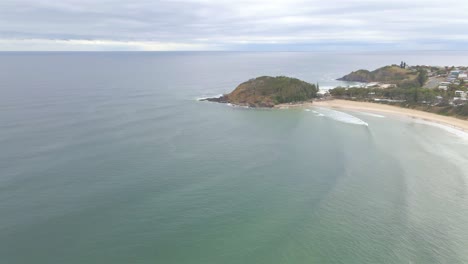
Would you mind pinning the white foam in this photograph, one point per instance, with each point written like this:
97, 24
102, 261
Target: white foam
207, 97
315, 112
237, 106
371, 114
452, 130
342, 117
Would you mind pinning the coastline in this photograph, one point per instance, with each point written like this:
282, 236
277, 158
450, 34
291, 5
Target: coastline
382, 108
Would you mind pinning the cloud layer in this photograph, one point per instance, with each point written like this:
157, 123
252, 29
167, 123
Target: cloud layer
232, 25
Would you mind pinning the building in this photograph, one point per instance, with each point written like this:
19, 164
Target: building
387, 85
380, 85
453, 75
372, 85
443, 87
323, 93
460, 95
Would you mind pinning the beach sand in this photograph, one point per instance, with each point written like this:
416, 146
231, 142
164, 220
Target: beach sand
382, 108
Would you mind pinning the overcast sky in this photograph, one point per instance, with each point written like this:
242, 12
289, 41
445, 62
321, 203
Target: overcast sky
233, 25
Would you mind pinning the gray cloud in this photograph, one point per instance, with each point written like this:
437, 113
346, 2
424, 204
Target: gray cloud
238, 25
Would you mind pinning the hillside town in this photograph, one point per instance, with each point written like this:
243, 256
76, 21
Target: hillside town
432, 88
446, 82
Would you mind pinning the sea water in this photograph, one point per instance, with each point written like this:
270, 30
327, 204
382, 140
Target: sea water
109, 158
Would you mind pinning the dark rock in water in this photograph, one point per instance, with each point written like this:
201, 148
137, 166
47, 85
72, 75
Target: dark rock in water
221, 99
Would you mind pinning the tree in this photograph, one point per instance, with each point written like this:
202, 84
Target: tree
422, 77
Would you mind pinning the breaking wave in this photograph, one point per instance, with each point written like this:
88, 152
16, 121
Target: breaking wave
315, 112
341, 117
206, 97
371, 114
452, 130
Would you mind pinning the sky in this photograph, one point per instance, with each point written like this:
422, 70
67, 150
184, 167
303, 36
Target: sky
257, 25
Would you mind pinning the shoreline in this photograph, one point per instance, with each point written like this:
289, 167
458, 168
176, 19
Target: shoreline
382, 108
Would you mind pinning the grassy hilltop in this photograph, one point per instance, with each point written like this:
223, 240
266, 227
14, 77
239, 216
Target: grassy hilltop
389, 74
268, 91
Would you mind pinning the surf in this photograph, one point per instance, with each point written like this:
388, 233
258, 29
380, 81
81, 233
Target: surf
341, 116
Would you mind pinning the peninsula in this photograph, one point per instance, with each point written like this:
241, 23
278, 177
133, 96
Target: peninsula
269, 91
395, 75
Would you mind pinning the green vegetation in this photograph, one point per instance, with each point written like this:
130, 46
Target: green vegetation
430, 100
268, 91
422, 77
393, 74
410, 95
409, 91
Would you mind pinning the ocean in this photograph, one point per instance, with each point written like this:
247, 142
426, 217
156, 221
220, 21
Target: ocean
110, 158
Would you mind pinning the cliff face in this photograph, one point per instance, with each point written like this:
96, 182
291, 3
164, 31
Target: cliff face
387, 74
268, 91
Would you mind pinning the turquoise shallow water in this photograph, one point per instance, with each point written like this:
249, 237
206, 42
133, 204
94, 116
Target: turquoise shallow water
109, 158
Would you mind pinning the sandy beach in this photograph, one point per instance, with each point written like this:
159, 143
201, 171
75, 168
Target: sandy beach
388, 109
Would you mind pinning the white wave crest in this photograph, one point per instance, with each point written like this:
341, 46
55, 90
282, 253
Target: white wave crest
452, 130
238, 106
315, 112
342, 117
207, 97
371, 114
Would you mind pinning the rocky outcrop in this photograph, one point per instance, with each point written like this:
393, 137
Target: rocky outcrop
268, 91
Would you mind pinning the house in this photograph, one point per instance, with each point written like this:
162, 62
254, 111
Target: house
387, 85
380, 85
460, 95
443, 87
372, 84
454, 74
323, 93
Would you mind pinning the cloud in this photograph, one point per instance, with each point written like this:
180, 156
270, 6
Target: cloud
231, 25
97, 45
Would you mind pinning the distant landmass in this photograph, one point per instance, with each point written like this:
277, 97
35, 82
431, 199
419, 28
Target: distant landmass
435, 89
400, 76
267, 91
